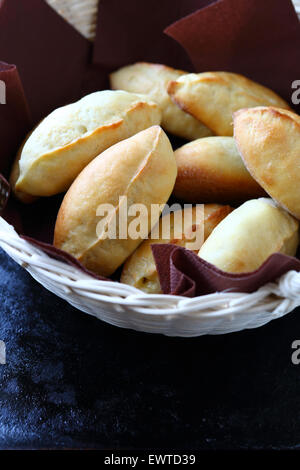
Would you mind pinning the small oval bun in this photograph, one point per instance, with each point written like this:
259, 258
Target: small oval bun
211, 169
140, 270
213, 97
70, 137
246, 238
143, 169
153, 79
269, 142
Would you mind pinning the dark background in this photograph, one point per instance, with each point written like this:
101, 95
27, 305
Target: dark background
72, 381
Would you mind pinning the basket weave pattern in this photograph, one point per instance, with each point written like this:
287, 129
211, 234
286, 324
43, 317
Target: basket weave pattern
128, 307
82, 14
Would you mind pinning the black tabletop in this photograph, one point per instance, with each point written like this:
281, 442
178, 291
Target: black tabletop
72, 381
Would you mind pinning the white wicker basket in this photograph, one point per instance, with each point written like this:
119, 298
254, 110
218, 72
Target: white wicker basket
297, 6
127, 307
82, 14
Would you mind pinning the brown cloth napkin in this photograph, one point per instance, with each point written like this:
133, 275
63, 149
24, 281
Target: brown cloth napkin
14, 114
257, 38
182, 272
51, 56
133, 30
57, 65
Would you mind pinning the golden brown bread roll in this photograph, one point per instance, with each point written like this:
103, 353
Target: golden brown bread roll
71, 136
269, 142
143, 169
211, 169
153, 79
213, 97
246, 238
140, 270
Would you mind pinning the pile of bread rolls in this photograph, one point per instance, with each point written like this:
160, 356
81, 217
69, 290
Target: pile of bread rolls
243, 149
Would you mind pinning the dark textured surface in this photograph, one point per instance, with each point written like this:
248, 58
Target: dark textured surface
73, 381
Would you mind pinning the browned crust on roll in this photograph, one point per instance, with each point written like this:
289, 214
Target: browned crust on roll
14, 175
268, 139
141, 168
208, 173
171, 89
276, 112
70, 137
212, 97
196, 186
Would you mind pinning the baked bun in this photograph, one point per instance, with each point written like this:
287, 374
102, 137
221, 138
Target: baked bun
140, 270
141, 168
213, 97
269, 142
211, 169
153, 79
70, 137
246, 238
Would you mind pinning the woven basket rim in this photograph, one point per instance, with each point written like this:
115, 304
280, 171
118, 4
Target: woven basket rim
112, 292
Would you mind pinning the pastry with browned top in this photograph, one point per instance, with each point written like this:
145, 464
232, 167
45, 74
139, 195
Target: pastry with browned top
212, 97
268, 139
71, 136
153, 79
211, 169
141, 169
